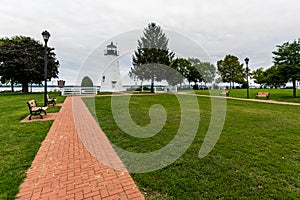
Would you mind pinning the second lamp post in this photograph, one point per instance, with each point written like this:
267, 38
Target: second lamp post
247, 74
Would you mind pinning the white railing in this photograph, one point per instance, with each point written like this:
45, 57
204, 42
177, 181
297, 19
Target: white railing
78, 91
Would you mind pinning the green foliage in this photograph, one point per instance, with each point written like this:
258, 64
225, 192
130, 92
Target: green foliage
22, 61
256, 157
193, 74
152, 56
179, 70
207, 71
191, 69
259, 76
270, 77
87, 82
274, 77
230, 70
287, 58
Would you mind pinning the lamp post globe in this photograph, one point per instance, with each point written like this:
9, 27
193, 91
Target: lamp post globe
247, 73
46, 36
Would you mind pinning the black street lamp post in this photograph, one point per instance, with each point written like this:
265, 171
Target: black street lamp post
46, 36
247, 73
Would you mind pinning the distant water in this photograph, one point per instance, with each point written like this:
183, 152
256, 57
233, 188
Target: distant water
33, 89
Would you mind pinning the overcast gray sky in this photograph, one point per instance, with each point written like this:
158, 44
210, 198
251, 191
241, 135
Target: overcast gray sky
244, 28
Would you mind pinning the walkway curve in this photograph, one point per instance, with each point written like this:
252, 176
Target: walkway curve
64, 169
254, 100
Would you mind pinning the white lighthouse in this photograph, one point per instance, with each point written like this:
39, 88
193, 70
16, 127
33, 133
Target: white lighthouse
111, 78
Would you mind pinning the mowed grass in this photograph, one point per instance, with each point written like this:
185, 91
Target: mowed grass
19, 142
285, 95
256, 157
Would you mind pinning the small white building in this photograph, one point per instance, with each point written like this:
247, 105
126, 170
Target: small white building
111, 78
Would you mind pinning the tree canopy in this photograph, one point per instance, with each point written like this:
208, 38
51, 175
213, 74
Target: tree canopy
274, 78
230, 70
87, 82
287, 58
178, 71
22, 61
151, 56
260, 77
193, 73
207, 71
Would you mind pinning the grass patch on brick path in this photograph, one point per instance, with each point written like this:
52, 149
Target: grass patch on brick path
275, 94
256, 157
19, 142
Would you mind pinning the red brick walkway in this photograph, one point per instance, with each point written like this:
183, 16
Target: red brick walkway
64, 169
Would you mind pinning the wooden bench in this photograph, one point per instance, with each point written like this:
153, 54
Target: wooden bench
51, 100
224, 92
263, 94
36, 110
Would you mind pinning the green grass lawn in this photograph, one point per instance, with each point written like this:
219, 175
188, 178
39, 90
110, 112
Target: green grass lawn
256, 157
275, 94
19, 142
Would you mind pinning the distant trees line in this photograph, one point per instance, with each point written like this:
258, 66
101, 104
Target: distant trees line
152, 56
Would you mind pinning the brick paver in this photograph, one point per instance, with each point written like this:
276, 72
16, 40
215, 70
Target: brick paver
65, 167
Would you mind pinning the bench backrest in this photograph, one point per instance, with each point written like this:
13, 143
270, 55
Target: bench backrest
224, 91
31, 104
263, 93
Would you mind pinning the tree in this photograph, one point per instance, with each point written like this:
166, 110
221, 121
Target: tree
230, 70
287, 58
87, 82
151, 56
22, 61
178, 71
259, 76
207, 71
274, 78
3, 78
193, 73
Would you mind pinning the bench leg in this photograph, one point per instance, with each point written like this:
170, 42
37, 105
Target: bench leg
43, 112
51, 102
30, 117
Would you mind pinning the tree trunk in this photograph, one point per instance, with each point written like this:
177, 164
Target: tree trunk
25, 87
12, 86
294, 88
152, 85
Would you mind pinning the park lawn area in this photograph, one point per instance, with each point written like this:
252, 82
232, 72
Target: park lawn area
19, 142
256, 157
275, 94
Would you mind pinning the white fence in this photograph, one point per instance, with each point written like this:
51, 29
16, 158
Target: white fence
78, 91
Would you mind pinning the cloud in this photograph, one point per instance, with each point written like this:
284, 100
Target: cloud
245, 28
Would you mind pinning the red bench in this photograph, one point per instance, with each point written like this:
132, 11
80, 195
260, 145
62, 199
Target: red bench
224, 92
263, 94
